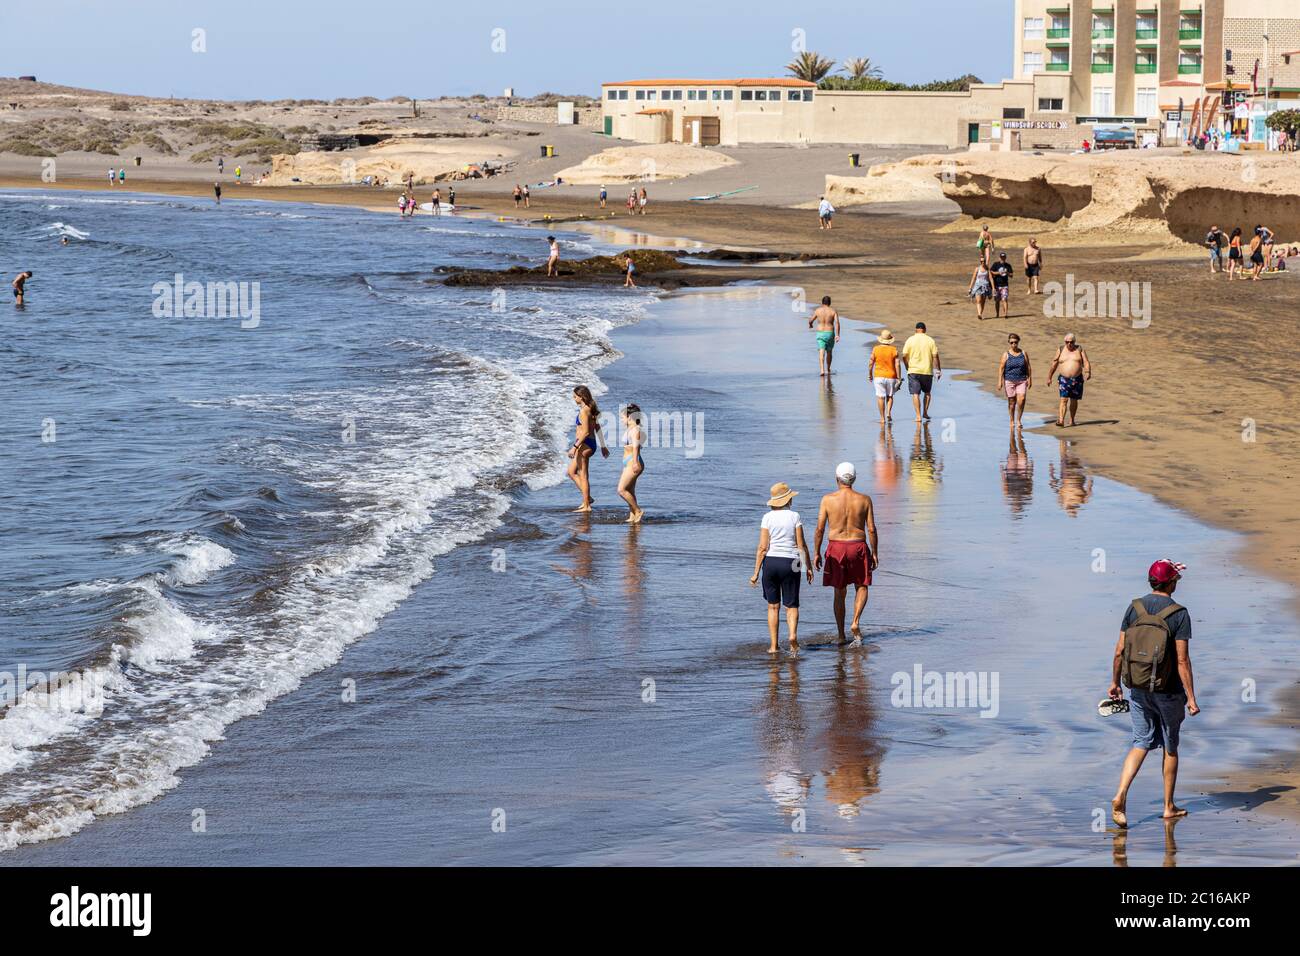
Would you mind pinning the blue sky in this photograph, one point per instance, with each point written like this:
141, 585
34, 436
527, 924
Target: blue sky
329, 48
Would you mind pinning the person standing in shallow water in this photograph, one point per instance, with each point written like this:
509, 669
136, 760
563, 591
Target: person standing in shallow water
782, 558
552, 263
633, 464
587, 433
849, 519
1015, 379
1159, 690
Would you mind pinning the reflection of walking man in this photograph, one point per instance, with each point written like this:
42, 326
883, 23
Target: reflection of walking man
850, 520
1072, 363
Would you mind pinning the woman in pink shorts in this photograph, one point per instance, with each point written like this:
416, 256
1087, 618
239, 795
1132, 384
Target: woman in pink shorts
1015, 379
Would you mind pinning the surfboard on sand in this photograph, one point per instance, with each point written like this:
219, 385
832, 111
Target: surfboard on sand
732, 192
444, 207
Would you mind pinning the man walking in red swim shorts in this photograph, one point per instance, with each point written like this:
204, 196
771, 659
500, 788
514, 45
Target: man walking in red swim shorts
851, 521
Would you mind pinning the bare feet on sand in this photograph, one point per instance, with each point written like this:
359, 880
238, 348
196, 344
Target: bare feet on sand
1171, 812
1118, 815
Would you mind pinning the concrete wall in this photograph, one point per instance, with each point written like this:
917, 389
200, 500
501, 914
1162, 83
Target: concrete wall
588, 116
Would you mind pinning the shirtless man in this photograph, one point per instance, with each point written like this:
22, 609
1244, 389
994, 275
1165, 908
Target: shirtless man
1071, 362
1033, 266
828, 333
20, 281
849, 560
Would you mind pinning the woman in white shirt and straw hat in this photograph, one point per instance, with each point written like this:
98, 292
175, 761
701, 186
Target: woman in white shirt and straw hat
781, 559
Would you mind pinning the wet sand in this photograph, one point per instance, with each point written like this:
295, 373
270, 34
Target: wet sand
526, 691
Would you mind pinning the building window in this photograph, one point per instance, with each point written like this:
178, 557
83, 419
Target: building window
701, 94
744, 94
1013, 112
649, 94
640, 94
807, 96
760, 94
1033, 63
1145, 102
1034, 28
1049, 104
1103, 100
677, 94
792, 95
728, 94
622, 94
717, 94
690, 94
612, 95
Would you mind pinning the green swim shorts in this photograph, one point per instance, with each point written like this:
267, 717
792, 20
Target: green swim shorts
826, 341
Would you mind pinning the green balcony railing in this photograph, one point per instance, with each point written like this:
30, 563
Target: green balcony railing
1104, 34
1190, 34
1148, 34
1185, 68
1103, 68
1058, 33
1145, 68
1059, 67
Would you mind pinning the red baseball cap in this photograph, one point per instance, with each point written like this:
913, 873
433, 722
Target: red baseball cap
1164, 571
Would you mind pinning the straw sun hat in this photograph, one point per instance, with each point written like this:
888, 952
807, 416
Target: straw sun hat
885, 337
781, 495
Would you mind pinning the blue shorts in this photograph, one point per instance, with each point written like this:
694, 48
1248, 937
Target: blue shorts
1071, 386
1156, 719
781, 580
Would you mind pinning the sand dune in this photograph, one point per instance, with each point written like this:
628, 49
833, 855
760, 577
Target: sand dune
391, 161
622, 164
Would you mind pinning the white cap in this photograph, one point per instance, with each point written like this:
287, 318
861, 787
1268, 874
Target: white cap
846, 473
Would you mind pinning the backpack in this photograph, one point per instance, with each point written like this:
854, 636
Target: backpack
1146, 663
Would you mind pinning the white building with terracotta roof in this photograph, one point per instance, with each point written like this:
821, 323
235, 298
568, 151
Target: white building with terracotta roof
710, 112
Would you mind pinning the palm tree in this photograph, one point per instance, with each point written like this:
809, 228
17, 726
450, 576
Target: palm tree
811, 67
861, 68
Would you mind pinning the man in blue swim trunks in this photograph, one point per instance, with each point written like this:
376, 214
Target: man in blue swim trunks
1072, 363
1166, 688
827, 321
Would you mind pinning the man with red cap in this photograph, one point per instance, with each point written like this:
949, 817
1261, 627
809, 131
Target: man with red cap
1152, 660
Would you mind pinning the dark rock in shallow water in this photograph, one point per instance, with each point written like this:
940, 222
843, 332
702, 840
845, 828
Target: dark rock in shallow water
649, 263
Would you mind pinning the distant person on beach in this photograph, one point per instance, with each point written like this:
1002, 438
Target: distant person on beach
221, 165
1266, 241
1033, 266
782, 558
633, 464
587, 434
216, 191
1256, 255
19, 286
451, 197
631, 203
112, 176
1015, 379
825, 212
921, 356
885, 372
628, 281
1214, 242
528, 197
552, 264
401, 205
436, 202
121, 176
604, 195
848, 517
986, 246
827, 321
1001, 273
1071, 361
643, 200
1236, 263
239, 172
519, 195
1152, 660
981, 288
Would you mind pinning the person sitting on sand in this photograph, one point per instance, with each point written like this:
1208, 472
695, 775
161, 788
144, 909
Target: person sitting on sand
19, 286
781, 559
885, 372
628, 282
584, 443
1001, 275
981, 288
848, 517
1015, 379
1033, 266
1072, 363
921, 356
633, 464
1159, 691
552, 264
828, 333
825, 213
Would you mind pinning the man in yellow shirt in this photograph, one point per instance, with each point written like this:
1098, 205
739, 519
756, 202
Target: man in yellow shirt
921, 356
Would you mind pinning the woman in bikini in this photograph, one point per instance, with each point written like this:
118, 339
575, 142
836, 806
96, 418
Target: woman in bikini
587, 423
1234, 254
633, 464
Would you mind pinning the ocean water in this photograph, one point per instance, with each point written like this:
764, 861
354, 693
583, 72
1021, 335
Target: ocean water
199, 512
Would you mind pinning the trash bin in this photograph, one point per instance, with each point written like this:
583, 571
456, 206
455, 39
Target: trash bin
853, 158
137, 160
548, 152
